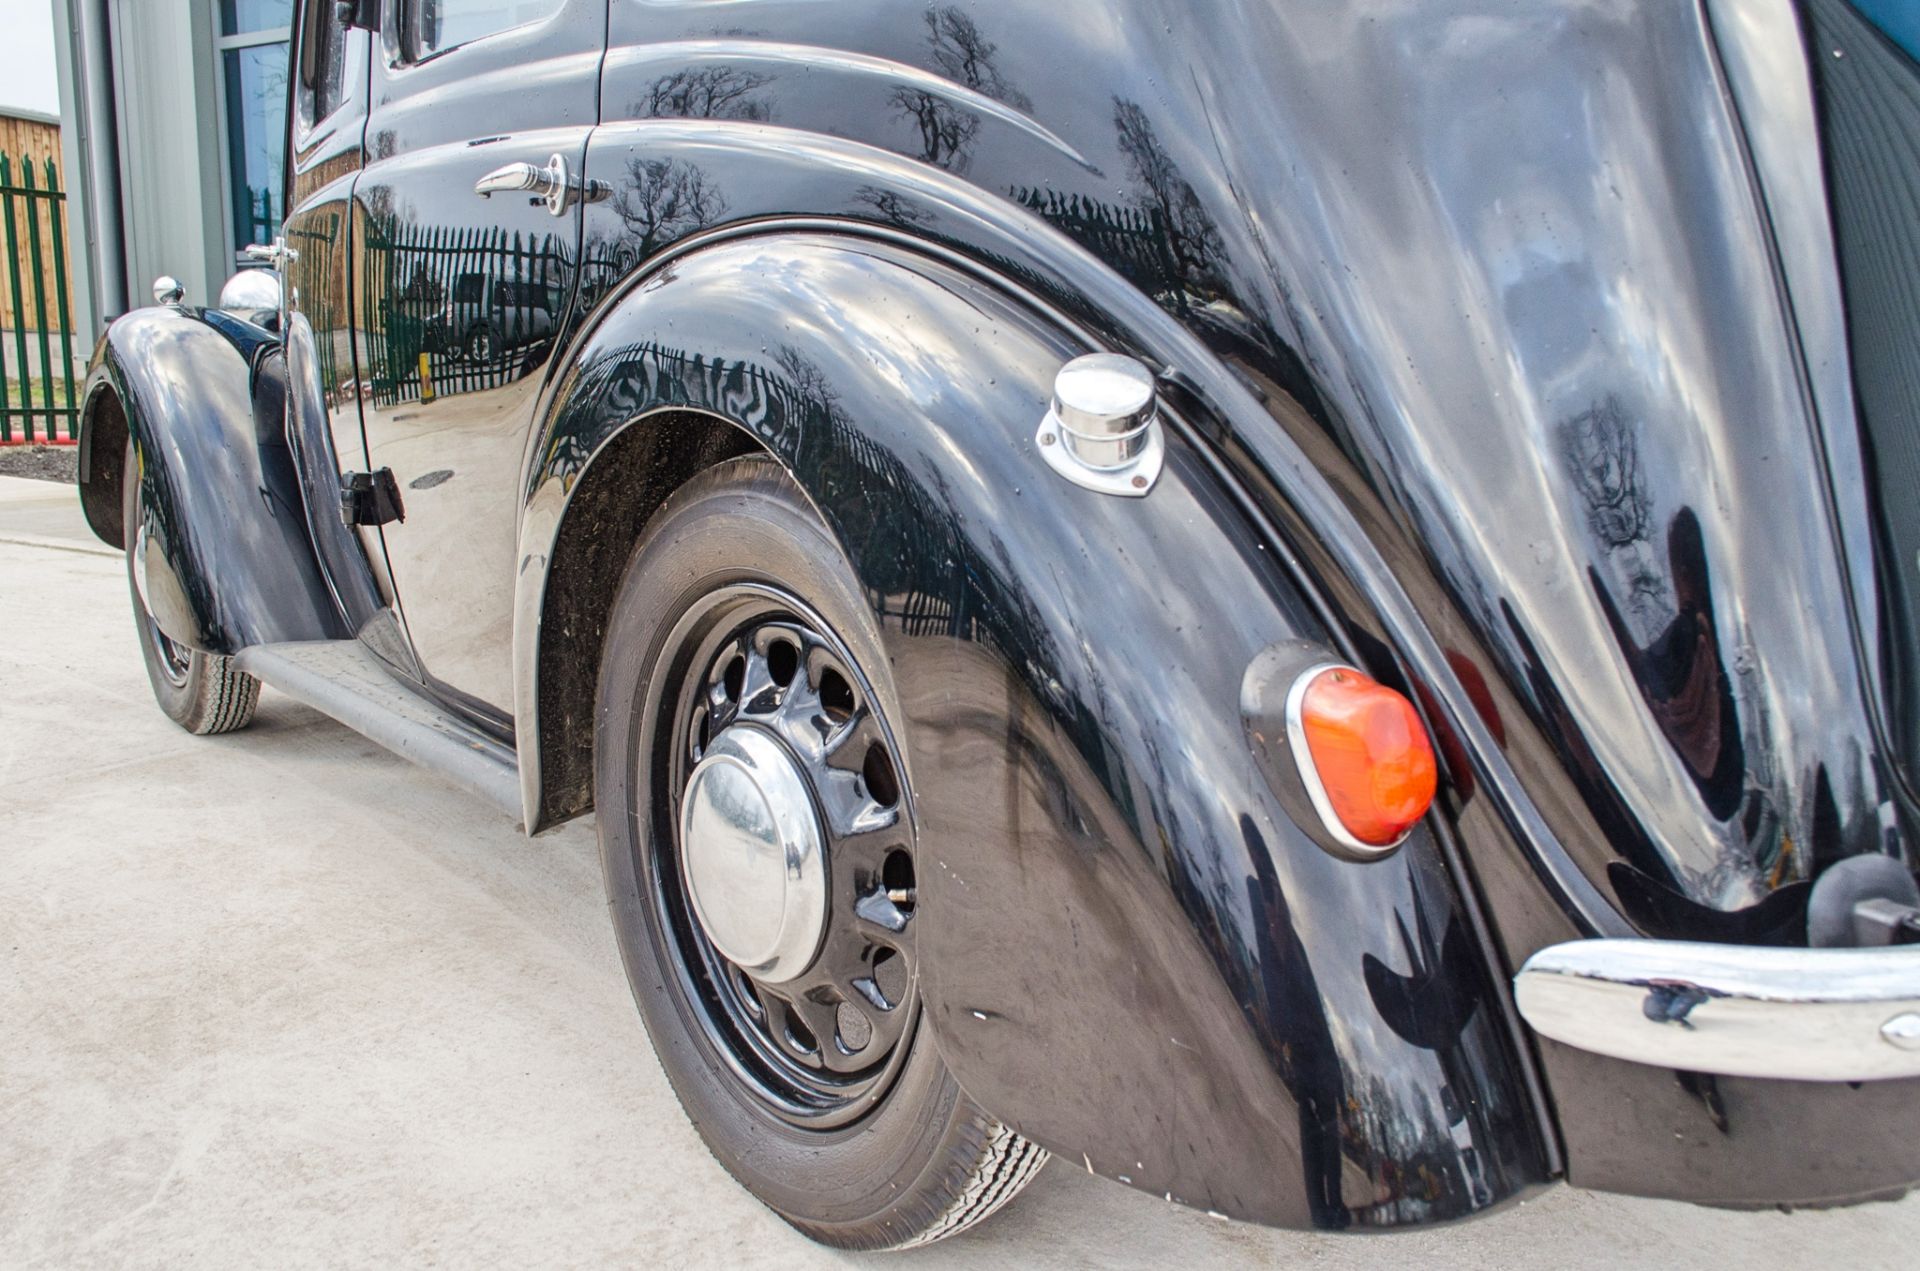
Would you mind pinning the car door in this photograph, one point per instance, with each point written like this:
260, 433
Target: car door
327, 116
467, 228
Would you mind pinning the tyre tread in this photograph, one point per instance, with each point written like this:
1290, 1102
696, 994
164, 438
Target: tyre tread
228, 698
1004, 1163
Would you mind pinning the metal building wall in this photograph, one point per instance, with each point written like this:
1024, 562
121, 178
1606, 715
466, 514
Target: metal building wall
150, 201
169, 145
96, 265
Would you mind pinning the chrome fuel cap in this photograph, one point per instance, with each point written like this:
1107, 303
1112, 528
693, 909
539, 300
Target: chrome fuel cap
754, 858
1102, 430
1104, 402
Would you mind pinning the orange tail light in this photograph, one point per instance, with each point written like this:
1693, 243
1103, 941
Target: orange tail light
1364, 755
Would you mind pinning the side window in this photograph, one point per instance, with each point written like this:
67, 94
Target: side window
323, 56
434, 26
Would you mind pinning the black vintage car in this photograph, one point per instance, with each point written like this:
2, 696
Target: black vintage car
1312, 607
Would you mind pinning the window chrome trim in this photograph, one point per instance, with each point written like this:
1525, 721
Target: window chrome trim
1794, 1014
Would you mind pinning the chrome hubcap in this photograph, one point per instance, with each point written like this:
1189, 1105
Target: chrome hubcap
755, 860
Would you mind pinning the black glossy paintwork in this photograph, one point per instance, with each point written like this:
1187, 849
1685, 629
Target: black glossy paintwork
323, 418
1476, 319
1128, 948
1577, 443
228, 560
459, 303
1501, 352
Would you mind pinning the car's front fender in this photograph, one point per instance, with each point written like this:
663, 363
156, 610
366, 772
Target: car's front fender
222, 543
1128, 950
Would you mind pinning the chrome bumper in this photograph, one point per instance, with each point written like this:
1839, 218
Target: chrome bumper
1795, 1014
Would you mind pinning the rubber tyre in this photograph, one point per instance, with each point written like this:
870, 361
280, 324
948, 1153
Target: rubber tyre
926, 1162
205, 696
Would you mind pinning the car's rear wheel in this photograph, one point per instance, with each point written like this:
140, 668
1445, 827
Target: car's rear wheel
757, 833
202, 692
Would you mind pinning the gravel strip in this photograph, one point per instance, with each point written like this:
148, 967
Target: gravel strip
43, 463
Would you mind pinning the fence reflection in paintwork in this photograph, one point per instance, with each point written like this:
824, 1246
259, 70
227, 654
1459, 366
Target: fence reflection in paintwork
457, 311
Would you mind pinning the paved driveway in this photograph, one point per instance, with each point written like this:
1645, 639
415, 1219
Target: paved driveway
281, 999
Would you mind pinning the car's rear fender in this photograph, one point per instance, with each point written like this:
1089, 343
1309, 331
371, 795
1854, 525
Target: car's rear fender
1129, 951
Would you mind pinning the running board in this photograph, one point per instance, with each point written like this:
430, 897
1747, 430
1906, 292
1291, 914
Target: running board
343, 679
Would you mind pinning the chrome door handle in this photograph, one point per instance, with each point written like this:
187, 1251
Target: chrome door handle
277, 253
551, 183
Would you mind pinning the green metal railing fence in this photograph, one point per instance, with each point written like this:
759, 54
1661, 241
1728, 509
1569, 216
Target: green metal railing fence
38, 397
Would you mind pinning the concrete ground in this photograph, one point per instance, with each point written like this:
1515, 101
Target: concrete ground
281, 999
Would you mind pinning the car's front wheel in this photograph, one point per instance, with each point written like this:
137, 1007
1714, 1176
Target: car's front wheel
757, 834
202, 692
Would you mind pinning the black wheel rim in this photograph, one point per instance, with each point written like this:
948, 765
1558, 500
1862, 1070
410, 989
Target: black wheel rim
823, 1049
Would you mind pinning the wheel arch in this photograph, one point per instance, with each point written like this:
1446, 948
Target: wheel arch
1137, 959
624, 482
101, 460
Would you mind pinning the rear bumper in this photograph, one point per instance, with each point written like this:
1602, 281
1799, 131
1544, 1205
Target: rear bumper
1790, 1014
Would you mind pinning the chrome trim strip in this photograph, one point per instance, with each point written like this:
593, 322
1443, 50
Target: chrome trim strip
1735, 1010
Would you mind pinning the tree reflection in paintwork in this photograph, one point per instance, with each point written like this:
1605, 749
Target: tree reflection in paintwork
945, 129
665, 199
960, 52
706, 92
891, 208
1601, 449
1166, 243
1192, 237
658, 202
